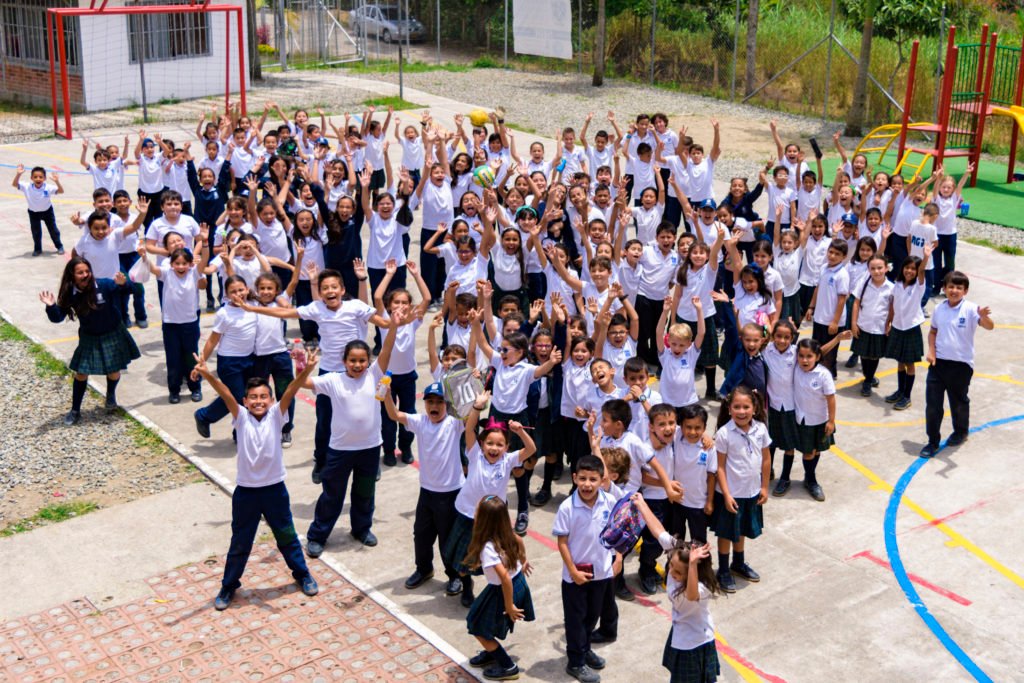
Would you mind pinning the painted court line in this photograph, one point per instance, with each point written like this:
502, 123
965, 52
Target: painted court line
924, 583
970, 508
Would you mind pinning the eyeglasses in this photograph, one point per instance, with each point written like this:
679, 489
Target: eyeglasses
503, 350
542, 346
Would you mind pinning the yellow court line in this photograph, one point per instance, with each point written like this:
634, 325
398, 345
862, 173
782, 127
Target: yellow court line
907, 423
74, 160
1000, 378
956, 539
744, 671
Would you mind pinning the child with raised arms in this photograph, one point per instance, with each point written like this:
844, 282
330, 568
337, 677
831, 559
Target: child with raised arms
260, 491
38, 194
905, 344
679, 358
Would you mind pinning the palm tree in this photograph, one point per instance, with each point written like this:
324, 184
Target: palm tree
599, 55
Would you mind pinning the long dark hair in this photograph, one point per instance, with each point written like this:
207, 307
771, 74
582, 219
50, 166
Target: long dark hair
705, 572
491, 523
66, 300
519, 253
724, 415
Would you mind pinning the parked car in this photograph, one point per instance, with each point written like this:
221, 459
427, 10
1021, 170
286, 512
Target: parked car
387, 22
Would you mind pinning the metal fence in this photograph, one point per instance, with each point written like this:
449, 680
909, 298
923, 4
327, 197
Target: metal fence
304, 33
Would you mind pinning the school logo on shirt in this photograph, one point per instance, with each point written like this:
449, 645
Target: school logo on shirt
674, 259
815, 384
961, 322
604, 516
684, 363
99, 298
703, 458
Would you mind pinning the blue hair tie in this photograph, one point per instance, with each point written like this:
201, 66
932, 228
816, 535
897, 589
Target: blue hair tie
756, 269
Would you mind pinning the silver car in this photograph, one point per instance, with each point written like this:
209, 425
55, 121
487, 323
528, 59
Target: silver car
386, 22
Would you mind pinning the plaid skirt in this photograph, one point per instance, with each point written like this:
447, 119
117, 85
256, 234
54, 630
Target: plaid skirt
699, 665
748, 520
791, 308
905, 346
783, 430
105, 353
813, 438
869, 345
458, 543
709, 347
487, 618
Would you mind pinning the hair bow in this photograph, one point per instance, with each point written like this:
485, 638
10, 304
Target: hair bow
756, 269
495, 424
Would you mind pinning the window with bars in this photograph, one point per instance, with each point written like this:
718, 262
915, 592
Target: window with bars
164, 37
24, 36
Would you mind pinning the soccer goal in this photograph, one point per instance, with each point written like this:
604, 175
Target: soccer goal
118, 54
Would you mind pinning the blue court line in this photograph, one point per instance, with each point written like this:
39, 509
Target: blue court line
892, 549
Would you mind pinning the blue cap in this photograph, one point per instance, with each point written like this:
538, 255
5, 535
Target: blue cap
707, 204
323, 141
434, 389
850, 218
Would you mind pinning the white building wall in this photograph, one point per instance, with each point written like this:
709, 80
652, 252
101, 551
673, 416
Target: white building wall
111, 81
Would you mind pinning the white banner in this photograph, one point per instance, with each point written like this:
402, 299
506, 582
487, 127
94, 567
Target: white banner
543, 27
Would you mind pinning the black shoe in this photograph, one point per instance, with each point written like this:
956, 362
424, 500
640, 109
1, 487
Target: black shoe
482, 658
903, 403
314, 549
110, 405
367, 539
309, 586
852, 362
72, 417
622, 591
894, 397
197, 396
389, 459
500, 673
649, 585
817, 493
317, 475
781, 488
522, 522
956, 439
597, 638
467, 591
60, 251
865, 388
583, 674
593, 660
174, 399
726, 582
745, 571
223, 599
417, 579
453, 587
142, 324
540, 498
929, 451
407, 455
874, 382
37, 253
202, 426
286, 439
210, 308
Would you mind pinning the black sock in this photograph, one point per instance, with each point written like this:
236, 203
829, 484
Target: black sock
112, 390
870, 366
901, 382
909, 382
787, 467
723, 562
502, 658
709, 378
77, 393
809, 467
523, 491
549, 476
737, 558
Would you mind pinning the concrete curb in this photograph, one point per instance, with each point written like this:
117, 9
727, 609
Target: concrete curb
225, 485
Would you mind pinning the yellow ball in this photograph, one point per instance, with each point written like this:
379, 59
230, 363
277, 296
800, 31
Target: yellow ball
478, 117
483, 176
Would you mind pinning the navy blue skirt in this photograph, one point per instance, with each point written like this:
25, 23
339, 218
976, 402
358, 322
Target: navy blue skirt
699, 665
487, 618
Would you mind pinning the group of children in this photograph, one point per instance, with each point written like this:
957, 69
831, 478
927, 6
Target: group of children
566, 286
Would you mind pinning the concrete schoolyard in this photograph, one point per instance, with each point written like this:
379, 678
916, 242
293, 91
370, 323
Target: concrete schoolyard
909, 571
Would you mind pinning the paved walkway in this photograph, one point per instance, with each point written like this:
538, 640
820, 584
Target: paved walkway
823, 608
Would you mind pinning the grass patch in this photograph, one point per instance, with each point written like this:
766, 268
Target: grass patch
391, 66
46, 364
1002, 248
57, 512
397, 102
168, 100
145, 438
141, 120
486, 62
522, 129
24, 108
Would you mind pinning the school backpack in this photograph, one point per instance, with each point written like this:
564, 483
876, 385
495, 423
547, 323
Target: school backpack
624, 526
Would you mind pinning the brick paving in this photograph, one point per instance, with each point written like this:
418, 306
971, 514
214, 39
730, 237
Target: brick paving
271, 632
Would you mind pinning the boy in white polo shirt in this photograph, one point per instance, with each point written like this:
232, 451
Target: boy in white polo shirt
951, 361
828, 303
38, 194
260, 490
587, 593
441, 477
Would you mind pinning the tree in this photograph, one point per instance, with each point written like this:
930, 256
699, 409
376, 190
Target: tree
599, 51
753, 10
255, 67
855, 115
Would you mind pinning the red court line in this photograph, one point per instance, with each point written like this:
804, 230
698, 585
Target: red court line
924, 583
998, 282
970, 508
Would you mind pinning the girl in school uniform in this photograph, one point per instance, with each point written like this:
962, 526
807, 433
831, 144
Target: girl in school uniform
744, 465
234, 338
871, 318
862, 252
814, 395
812, 260
905, 344
787, 253
762, 255
509, 267
615, 335
309, 237
490, 464
272, 225
948, 197
696, 278
501, 556
434, 191
104, 345
403, 358
690, 654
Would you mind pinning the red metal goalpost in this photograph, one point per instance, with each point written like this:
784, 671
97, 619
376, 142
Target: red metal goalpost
55, 32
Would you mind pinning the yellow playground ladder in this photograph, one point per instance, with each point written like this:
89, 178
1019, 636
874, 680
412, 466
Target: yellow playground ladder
883, 136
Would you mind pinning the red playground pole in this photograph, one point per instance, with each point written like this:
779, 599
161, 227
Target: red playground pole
908, 99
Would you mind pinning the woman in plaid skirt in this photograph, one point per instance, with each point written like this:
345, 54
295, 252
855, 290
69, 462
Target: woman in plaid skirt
104, 345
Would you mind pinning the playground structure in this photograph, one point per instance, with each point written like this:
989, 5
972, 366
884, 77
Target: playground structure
979, 80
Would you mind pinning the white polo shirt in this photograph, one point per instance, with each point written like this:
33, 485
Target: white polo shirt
657, 271
780, 376
641, 422
185, 226
337, 328
692, 625
595, 398
489, 559
483, 479
783, 197
677, 376
809, 392
691, 465
440, 461
921, 234
260, 458
151, 173
438, 204
833, 283
945, 224
874, 306
583, 525
511, 384
750, 305
906, 306
237, 330
355, 422
806, 201
647, 221
640, 453
270, 334
743, 457
701, 178
700, 283
101, 254
787, 265
815, 258
38, 198
181, 298
618, 356
955, 327
576, 381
